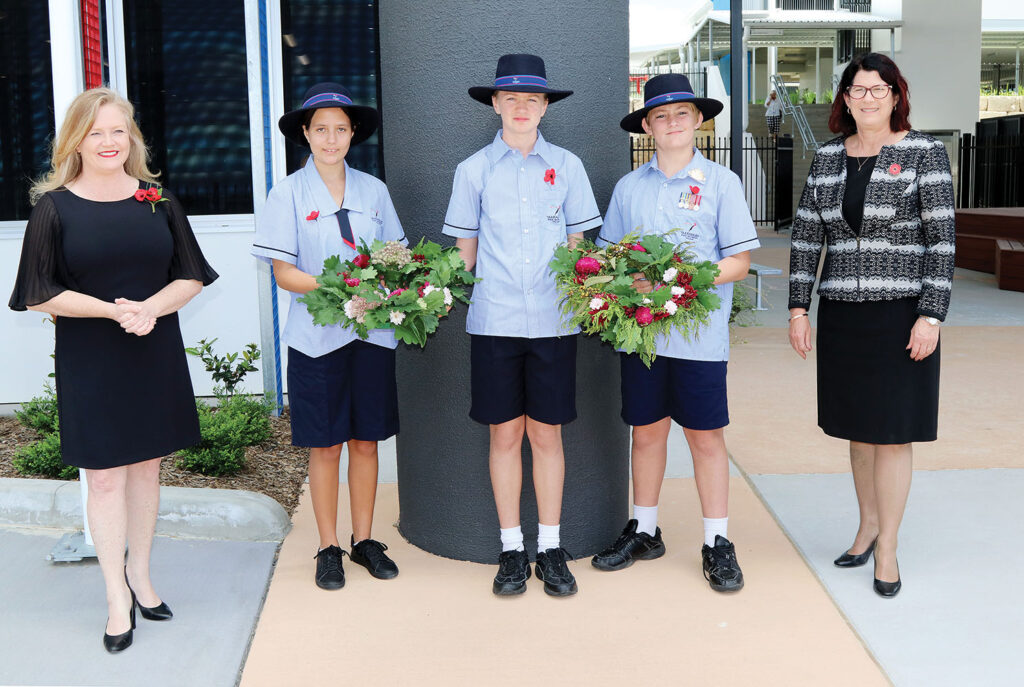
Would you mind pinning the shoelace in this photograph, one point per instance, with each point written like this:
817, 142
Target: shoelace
722, 558
373, 551
556, 558
332, 559
507, 565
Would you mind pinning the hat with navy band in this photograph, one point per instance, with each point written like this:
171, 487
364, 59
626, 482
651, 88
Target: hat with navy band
518, 73
328, 94
664, 89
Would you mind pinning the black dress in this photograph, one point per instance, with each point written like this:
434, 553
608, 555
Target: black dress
869, 389
121, 398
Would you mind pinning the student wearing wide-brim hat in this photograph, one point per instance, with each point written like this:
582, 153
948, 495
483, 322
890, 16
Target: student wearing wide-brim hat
512, 204
690, 200
341, 390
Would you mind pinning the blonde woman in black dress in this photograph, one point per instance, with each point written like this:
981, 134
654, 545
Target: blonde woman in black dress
114, 265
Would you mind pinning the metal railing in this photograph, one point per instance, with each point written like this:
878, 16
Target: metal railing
991, 171
797, 113
698, 79
767, 175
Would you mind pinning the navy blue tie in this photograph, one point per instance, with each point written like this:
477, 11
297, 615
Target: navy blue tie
346, 229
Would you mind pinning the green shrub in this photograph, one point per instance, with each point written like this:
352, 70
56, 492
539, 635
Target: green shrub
794, 97
742, 314
43, 458
40, 413
226, 430
223, 369
809, 97
828, 96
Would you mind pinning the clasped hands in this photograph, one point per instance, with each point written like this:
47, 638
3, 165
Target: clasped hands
134, 317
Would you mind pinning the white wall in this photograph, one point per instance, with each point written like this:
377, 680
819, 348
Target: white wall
939, 53
228, 310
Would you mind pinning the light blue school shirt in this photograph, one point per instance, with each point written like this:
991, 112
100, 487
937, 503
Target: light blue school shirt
720, 226
501, 198
286, 233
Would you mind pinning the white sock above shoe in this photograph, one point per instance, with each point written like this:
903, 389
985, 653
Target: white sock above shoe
512, 539
547, 536
713, 526
646, 518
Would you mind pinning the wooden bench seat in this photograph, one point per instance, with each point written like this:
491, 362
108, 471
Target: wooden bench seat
1010, 264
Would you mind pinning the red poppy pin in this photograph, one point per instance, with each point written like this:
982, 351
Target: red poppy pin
153, 194
313, 215
549, 177
695, 190
895, 169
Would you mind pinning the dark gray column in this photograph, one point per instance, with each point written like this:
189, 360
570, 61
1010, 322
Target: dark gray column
430, 54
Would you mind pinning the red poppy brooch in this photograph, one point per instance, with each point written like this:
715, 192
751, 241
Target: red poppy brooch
549, 177
152, 195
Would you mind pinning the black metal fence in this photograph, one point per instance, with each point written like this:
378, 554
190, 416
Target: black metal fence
991, 171
767, 171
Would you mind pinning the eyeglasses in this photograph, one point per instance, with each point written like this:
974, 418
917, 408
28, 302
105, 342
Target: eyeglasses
877, 92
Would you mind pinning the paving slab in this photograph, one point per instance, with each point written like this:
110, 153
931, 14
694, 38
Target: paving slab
655, 623
957, 620
54, 614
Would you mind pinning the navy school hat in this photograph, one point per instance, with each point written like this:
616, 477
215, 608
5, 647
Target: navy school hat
364, 119
519, 73
664, 89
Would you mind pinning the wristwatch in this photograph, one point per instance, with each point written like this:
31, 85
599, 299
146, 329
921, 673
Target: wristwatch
933, 321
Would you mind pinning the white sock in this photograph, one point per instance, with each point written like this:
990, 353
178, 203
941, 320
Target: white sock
646, 518
713, 526
547, 536
512, 539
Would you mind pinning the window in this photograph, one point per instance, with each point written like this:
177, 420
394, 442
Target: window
26, 102
186, 69
333, 40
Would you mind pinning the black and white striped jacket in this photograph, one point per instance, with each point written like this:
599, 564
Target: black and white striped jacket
907, 237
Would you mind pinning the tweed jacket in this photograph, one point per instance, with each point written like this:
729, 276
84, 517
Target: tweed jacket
907, 240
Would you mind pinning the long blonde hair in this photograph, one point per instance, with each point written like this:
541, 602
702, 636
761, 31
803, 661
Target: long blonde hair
66, 163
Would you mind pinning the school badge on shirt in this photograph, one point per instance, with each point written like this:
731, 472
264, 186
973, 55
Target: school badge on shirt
691, 200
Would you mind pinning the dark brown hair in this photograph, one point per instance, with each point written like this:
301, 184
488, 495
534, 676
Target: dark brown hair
842, 122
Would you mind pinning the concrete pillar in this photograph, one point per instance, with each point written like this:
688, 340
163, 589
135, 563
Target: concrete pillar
817, 75
430, 54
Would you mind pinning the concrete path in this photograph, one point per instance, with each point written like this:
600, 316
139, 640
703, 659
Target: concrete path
54, 614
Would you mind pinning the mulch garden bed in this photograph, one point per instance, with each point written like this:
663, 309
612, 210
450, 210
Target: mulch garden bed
275, 467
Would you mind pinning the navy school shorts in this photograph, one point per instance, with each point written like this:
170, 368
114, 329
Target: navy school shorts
350, 393
513, 376
691, 392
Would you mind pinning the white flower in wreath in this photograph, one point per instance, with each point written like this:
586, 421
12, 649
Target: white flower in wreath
397, 317
350, 311
678, 290
671, 307
422, 303
596, 303
670, 275
447, 296
429, 288
647, 301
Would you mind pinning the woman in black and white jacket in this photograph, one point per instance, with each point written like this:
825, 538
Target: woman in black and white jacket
879, 199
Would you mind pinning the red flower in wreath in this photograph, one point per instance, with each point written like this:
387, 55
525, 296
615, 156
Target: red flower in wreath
587, 266
644, 316
361, 261
549, 177
638, 247
352, 281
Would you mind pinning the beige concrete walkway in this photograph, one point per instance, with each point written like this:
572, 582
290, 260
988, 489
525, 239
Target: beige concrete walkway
655, 623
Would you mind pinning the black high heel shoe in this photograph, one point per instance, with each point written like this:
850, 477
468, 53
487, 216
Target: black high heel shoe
116, 643
851, 560
161, 612
888, 590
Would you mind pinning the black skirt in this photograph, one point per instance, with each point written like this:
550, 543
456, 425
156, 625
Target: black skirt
869, 389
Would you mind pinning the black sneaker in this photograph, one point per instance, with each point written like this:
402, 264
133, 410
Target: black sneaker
369, 553
513, 572
630, 546
329, 573
721, 568
552, 569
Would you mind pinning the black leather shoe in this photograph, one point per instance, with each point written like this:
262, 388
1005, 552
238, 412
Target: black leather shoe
161, 612
369, 553
117, 643
854, 560
888, 590
513, 572
329, 572
721, 568
629, 547
552, 569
